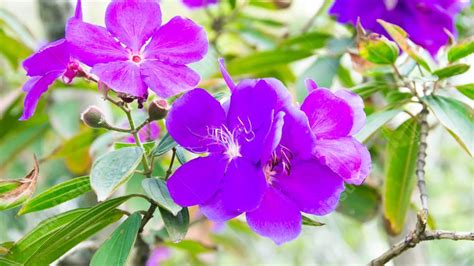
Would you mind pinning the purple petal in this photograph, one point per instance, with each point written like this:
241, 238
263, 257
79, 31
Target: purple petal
311, 85
198, 3
243, 186
273, 137
312, 186
196, 181
52, 57
191, 117
214, 209
34, 88
148, 133
365, 166
78, 11
225, 74
93, 44
168, 80
277, 217
180, 41
328, 115
357, 105
158, 255
297, 137
133, 22
123, 77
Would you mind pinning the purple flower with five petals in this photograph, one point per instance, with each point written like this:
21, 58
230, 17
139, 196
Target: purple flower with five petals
52, 61
198, 3
260, 159
135, 52
334, 118
424, 20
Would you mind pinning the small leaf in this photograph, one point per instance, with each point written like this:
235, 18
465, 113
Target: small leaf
359, 202
57, 194
176, 226
308, 41
378, 49
113, 169
364, 90
17, 196
374, 122
116, 250
455, 116
259, 61
323, 71
84, 226
452, 70
157, 190
8, 185
310, 221
400, 178
148, 146
461, 50
467, 90
180, 155
166, 144
401, 38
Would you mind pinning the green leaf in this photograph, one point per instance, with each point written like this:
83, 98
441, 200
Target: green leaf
180, 155
148, 146
81, 228
401, 38
374, 122
176, 226
359, 202
467, 90
13, 50
157, 190
7, 185
232, 3
5, 247
116, 250
7, 262
267, 60
32, 242
57, 194
20, 194
75, 144
307, 41
378, 50
113, 169
310, 221
191, 246
461, 50
451, 70
364, 90
400, 178
166, 144
323, 71
456, 117
345, 77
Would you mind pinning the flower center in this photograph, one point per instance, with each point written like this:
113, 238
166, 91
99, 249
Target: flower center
228, 139
269, 173
136, 58
390, 4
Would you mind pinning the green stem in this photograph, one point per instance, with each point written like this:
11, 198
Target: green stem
146, 164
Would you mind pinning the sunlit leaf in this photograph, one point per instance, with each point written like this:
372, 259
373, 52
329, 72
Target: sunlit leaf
323, 71
467, 89
8, 185
308, 41
310, 221
451, 70
378, 49
157, 190
374, 122
461, 50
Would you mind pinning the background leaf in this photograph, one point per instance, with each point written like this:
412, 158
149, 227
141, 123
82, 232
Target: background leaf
359, 202
374, 122
157, 190
176, 226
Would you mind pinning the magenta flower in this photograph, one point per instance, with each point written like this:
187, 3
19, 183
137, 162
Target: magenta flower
424, 20
334, 118
260, 159
45, 66
134, 52
158, 256
198, 3
148, 133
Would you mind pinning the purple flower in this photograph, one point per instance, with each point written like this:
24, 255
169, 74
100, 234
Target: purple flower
134, 53
334, 118
198, 3
260, 159
45, 66
148, 133
424, 20
158, 255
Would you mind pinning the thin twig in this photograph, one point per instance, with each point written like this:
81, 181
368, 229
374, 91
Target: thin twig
170, 168
421, 161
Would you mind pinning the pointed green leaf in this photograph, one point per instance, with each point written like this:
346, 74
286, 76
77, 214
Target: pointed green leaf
80, 229
374, 122
166, 144
359, 202
57, 194
116, 250
114, 169
378, 50
310, 221
461, 50
7, 262
451, 70
176, 225
308, 41
8, 185
467, 90
180, 155
400, 178
157, 190
455, 116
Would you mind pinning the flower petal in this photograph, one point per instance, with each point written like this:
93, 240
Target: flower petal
93, 44
328, 115
243, 186
297, 136
365, 164
123, 77
357, 105
273, 137
312, 186
172, 42
168, 80
34, 88
196, 181
133, 22
225, 74
198, 3
277, 217
52, 57
214, 209
191, 117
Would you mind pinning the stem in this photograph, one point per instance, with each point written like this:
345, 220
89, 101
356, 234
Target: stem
170, 168
147, 216
421, 161
146, 164
310, 22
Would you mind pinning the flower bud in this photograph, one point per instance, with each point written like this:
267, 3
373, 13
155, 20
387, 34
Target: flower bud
282, 4
158, 109
94, 118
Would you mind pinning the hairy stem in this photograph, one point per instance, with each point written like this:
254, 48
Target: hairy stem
421, 161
